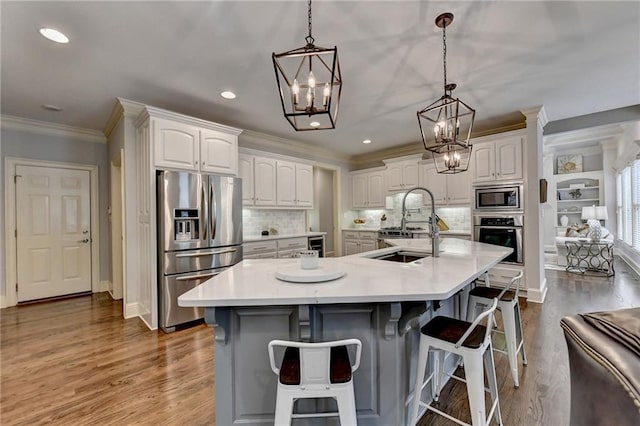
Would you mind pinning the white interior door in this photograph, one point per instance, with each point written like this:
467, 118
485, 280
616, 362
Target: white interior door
53, 232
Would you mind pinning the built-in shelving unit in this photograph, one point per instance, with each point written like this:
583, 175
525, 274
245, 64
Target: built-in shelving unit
575, 191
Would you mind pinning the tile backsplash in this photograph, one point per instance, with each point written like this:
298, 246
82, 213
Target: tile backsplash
458, 218
254, 221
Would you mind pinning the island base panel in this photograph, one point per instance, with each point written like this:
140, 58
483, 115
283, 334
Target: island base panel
245, 386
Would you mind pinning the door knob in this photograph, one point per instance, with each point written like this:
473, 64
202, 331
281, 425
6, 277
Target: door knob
86, 240
85, 231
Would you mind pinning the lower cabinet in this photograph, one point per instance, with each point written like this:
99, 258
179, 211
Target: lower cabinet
274, 249
260, 250
355, 242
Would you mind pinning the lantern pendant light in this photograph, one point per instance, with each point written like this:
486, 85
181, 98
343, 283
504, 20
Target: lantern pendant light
310, 82
446, 124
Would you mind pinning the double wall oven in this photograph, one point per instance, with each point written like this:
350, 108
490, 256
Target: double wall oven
498, 218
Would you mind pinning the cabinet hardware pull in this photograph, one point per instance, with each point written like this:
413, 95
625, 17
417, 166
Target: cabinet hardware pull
195, 277
208, 253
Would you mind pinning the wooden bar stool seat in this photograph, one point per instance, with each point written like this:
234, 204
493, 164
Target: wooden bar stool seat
315, 370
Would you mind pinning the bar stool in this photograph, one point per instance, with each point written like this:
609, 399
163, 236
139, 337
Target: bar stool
315, 370
471, 341
511, 322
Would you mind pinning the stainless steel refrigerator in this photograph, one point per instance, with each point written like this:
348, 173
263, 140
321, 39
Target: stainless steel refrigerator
199, 236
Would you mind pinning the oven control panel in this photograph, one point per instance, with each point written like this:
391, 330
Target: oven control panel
497, 221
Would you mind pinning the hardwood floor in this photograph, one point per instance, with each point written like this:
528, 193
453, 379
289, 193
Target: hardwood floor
77, 362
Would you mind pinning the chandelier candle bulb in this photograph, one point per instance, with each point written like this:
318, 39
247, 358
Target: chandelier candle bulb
295, 89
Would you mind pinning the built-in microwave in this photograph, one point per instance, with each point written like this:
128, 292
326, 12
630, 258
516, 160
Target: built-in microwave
503, 197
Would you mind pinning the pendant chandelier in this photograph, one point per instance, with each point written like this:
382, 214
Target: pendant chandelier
446, 124
310, 82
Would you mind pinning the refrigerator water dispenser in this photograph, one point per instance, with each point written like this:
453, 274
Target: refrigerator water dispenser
185, 224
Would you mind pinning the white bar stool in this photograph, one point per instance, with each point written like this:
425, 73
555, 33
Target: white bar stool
511, 322
315, 370
471, 341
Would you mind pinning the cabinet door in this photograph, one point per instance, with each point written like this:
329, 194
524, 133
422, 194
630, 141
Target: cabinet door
218, 152
459, 189
265, 181
176, 145
304, 185
367, 245
410, 174
286, 183
245, 172
394, 177
434, 182
509, 159
484, 162
351, 247
375, 189
359, 194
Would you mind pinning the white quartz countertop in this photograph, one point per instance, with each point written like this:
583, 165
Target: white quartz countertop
253, 238
252, 282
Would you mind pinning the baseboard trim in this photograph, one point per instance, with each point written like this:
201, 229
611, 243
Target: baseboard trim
628, 261
3, 301
131, 310
145, 322
103, 286
538, 295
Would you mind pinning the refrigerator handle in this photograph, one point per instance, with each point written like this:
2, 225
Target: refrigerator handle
212, 204
203, 213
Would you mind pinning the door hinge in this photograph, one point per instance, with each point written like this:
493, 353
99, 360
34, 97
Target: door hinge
16, 233
16, 287
15, 178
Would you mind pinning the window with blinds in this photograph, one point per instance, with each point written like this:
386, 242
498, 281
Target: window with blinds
635, 204
628, 205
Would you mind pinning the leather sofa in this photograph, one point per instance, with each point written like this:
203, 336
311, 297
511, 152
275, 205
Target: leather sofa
604, 363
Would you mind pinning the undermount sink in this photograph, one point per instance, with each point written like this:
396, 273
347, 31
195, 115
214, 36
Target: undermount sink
402, 256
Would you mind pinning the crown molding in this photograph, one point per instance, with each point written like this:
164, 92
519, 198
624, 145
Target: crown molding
588, 136
149, 112
122, 108
261, 141
51, 129
538, 113
378, 157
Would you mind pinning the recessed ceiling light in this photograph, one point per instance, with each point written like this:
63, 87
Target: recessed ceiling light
314, 124
52, 107
54, 35
228, 95
366, 141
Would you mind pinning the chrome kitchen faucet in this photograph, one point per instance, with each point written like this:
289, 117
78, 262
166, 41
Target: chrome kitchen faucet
435, 244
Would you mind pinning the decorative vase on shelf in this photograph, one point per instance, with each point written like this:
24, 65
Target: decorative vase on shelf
564, 220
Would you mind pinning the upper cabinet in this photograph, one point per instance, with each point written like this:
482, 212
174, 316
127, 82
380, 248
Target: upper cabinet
264, 181
267, 182
368, 189
194, 145
447, 189
498, 160
294, 184
402, 173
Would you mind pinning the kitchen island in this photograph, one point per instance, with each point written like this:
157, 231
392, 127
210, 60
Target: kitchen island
248, 306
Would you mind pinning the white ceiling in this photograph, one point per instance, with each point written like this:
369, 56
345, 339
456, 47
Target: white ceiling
575, 58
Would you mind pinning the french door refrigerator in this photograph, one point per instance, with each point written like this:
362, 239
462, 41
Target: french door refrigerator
199, 236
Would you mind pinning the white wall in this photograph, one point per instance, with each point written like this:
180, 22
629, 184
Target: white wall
60, 148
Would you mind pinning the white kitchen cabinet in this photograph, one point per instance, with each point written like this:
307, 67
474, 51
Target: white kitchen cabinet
291, 247
447, 189
177, 145
260, 250
218, 152
264, 181
185, 146
245, 172
355, 242
498, 160
368, 189
294, 184
402, 174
